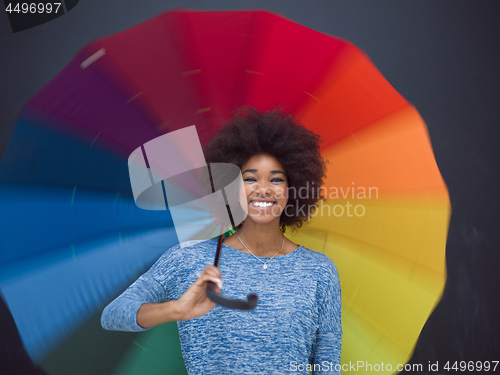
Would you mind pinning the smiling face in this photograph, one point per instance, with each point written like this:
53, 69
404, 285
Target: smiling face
266, 188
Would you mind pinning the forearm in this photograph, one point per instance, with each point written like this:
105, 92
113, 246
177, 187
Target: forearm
145, 303
121, 313
192, 304
329, 336
327, 354
153, 314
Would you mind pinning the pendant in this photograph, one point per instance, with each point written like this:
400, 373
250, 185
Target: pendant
264, 266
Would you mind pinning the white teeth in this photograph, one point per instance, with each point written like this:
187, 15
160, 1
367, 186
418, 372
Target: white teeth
262, 204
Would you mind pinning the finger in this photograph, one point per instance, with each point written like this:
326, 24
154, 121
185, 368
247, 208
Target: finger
216, 289
205, 277
212, 270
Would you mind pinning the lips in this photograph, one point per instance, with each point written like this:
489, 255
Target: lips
262, 204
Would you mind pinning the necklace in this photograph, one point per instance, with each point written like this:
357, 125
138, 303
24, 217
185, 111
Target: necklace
264, 263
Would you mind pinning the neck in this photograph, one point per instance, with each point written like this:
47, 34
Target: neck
262, 240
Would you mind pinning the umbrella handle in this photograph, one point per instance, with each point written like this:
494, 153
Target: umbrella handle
230, 303
218, 298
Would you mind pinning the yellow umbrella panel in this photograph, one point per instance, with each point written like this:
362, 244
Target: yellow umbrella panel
384, 223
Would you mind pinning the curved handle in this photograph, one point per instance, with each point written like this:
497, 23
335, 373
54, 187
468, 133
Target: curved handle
230, 303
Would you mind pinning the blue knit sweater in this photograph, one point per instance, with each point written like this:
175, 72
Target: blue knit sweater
295, 327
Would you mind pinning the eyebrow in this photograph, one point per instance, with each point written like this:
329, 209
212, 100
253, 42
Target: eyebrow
255, 171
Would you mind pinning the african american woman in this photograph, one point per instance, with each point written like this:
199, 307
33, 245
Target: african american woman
296, 326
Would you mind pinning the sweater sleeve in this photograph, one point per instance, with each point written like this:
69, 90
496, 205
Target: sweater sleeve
326, 355
121, 314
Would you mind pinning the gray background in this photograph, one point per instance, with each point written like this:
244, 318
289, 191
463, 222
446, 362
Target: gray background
443, 56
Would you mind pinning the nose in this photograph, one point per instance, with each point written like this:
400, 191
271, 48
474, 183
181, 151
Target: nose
264, 189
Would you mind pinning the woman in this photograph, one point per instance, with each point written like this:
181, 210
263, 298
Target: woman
296, 325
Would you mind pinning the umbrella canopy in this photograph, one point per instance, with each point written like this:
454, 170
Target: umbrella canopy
384, 222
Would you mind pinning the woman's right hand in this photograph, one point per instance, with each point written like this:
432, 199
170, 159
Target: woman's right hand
194, 302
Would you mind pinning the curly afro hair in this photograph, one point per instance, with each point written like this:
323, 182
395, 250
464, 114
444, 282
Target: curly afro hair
282, 136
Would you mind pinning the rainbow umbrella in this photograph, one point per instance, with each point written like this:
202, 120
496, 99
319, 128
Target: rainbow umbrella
384, 221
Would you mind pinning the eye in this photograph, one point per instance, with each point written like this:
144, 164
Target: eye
277, 180
249, 179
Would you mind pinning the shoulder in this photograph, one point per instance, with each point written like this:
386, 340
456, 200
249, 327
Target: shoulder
186, 254
324, 268
190, 247
317, 258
